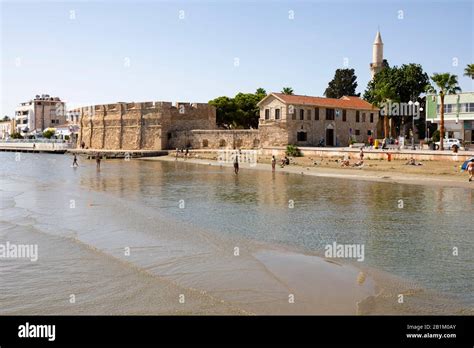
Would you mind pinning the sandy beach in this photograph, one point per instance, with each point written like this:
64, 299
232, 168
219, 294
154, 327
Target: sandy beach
439, 173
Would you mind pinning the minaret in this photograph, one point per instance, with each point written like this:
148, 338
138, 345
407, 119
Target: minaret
377, 55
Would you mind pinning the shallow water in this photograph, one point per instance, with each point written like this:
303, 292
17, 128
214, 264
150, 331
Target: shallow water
182, 223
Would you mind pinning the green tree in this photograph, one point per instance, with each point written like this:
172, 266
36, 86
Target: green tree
384, 94
400, 84
238, 112
48, 133
343, 83
287, 90
469, 71
261, 92
444, 84
5, 118
409, 81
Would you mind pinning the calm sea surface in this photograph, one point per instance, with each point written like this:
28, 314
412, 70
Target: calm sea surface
181, 223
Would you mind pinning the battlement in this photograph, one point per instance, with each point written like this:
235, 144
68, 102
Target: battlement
158, 105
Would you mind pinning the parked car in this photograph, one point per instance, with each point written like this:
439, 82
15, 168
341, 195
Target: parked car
449, 143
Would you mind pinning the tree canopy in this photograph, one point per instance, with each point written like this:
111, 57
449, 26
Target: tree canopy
287, 90
238, 112
469, 71
343, 83
406, 83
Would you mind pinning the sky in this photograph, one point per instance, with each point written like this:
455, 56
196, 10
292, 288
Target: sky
95, 52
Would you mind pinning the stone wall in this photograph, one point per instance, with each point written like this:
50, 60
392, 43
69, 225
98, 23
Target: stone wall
140, 126
216, 139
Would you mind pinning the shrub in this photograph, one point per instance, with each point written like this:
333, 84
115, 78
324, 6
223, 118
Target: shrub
48, 133
16, 135
435, 135
293, 151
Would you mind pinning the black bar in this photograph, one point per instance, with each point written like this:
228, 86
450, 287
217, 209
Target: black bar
225, 330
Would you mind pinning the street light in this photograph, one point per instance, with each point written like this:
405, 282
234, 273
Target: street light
413, 123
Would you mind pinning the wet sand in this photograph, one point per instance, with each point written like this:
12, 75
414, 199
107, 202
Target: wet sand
431, 173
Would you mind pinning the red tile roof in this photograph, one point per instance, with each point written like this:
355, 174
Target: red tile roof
343, 103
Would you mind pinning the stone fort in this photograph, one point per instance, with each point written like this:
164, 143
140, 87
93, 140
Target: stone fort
283, 120
156, 126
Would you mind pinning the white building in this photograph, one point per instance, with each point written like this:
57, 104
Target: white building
39, 114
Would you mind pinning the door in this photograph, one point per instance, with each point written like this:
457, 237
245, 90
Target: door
329, 137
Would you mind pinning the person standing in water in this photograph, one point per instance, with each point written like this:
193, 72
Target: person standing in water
236, 164
97, 160
274, 161
74, 161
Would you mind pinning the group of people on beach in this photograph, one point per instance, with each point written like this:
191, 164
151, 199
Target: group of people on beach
359, 164
182, 153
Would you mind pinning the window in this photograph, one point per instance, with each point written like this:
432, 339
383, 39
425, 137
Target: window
52, 121
277, 114
363, 117
338, 112
316, 114
301, 136
267, 114
205, 143
330, 114
371, 117
369, 133
357, 132
448, 108
344, 115
309, 114
301, 114
467, 107
222, 143
357, 116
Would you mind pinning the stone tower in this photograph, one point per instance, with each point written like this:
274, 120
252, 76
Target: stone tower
377, 55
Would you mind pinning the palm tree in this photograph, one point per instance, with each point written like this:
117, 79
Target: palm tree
385, 94
469, 71
287, 90
444, 84
261, 91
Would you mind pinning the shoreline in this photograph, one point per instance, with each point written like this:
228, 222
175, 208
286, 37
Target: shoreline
364, 174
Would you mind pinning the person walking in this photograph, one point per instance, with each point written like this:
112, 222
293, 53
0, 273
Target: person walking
361, 154
74, 161
274, 161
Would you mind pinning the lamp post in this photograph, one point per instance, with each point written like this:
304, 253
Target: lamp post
412, 125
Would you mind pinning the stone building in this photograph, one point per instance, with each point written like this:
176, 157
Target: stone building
136, 126
36, 115
309, 121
